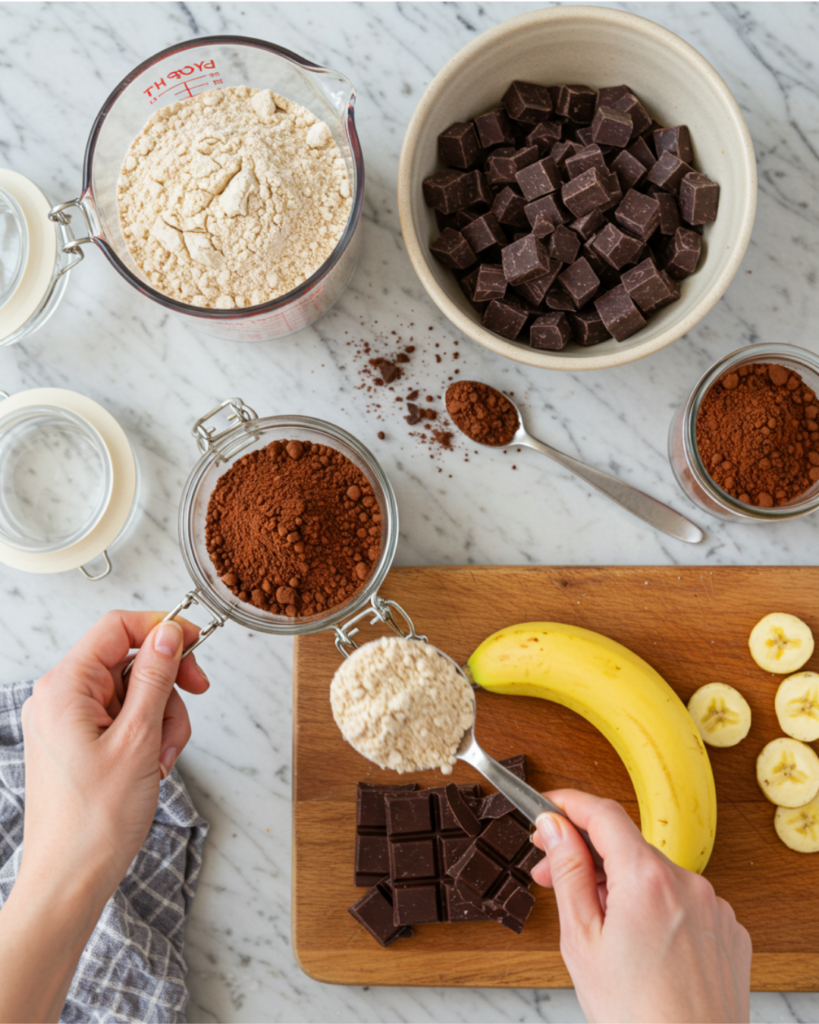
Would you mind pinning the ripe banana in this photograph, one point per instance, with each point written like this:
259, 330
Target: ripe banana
781, 643
721, 714
797, 706
788, 772
798, 827
635, 709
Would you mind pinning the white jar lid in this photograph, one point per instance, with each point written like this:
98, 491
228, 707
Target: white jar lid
67, 480
29, 250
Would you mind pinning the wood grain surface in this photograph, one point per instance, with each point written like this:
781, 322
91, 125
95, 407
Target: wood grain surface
692, 625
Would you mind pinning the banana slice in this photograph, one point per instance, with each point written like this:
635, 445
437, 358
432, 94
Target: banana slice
798, 827
797, 706
721, 714
781, 643
788, 772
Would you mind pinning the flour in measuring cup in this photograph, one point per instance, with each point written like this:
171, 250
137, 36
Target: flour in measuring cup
232, 198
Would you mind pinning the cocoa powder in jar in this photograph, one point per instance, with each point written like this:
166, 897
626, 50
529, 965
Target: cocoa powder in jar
758, 434
294, 528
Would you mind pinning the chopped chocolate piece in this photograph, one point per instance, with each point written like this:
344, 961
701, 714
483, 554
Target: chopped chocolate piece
453, 250
557, 299
496, 805
542, 226
545, 135
615, 247
467, 287
504, 318
372, 860
588, 329
549, 206
477, 190
375, 912
596, 262
458, 145
551, 331
650, 287
576, 102
668, 172
629, 170
538, 179
483, 232
615, 192
461, 810
669, 213
580, 282
629, 104
589, 224
641, 149
415, 414
638, 214
511, 905
461, 218
587, 192
611, 127
528, 102
610, 94
619, 313
445, 190
682, 253
699, 198
490, 283
675, 140
525, 259
582, 136
563, 244
516, 764
509, 209
534, 291
504, 164
494, 128
583, 159
561, 152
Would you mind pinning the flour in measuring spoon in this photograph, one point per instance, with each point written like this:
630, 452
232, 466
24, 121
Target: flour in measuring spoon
232, 198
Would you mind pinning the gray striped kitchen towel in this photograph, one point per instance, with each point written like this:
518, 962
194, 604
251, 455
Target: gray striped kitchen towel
132, 968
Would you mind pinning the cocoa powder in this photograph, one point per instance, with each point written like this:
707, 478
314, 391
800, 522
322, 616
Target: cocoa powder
293, 528
758, 434
481, 412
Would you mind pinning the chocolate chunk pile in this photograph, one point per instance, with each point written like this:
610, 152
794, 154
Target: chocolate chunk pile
443, 854
568, 213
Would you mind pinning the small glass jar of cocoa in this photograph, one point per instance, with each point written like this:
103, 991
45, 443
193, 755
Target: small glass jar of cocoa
745, 445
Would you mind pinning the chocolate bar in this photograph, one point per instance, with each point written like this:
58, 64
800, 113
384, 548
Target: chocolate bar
372, 859
375, 912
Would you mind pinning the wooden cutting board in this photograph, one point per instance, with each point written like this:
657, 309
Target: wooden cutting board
692, 625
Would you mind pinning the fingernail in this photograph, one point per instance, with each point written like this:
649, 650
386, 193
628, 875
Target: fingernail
550, 830
166, 761
168, 638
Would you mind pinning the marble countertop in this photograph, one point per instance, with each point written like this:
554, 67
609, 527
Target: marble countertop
58, 63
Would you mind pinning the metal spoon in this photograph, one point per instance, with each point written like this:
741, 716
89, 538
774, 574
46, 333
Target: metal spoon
651, 511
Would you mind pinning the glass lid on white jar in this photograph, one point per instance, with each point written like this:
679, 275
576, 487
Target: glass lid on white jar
68, 482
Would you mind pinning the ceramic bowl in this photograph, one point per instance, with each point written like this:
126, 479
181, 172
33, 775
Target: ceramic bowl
596, 46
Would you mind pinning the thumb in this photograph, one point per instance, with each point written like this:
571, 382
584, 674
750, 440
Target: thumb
573, 876
152, 678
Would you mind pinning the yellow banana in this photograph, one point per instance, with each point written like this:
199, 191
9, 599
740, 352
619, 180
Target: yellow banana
635, 709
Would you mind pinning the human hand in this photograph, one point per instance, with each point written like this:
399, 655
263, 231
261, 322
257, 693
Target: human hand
652, 942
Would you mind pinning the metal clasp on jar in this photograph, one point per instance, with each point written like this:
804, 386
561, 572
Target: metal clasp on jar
222, 442
381, 611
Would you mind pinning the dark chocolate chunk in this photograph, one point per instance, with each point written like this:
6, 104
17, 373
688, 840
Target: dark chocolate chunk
483, 232
638, 214
375, 912
504, 318
542, 226
641, 149
563, 244
445, 190
458, 145
576, 102
545, 135
534, 291
629, 170
503, 164
496, 805
610, 94
589, 224
415, 414
461, 218
668, 172
477, 190
516, 764
615, 192
587, 192
557, 299
528, 102
551, 331
618, 312
615, 246
629, 104
547, 206
468, 287
650, 287
669, 213
583, 159
490, 283
611, 127
561, 152
453, 250
509, 209
699, 198
682, 253
525, 259
588, 329
461, 810
580, 282
538, 179
675, 140
494, 128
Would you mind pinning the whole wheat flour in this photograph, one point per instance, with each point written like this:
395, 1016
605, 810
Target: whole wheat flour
232, 198
402, 705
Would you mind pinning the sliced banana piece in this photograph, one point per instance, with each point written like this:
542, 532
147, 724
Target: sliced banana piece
797, 706
788, 772
798, 827
781, 643
721, 714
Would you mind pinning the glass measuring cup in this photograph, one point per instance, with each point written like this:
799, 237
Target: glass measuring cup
182, 71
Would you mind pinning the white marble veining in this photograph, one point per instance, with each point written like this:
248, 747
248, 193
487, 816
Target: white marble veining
58, 63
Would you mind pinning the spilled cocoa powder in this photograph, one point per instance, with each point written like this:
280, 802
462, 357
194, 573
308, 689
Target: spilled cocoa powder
758, 434
294, 528
481, 412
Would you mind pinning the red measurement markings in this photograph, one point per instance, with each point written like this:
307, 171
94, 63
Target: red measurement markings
180, 80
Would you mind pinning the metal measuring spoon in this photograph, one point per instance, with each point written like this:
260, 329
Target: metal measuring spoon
651, 511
